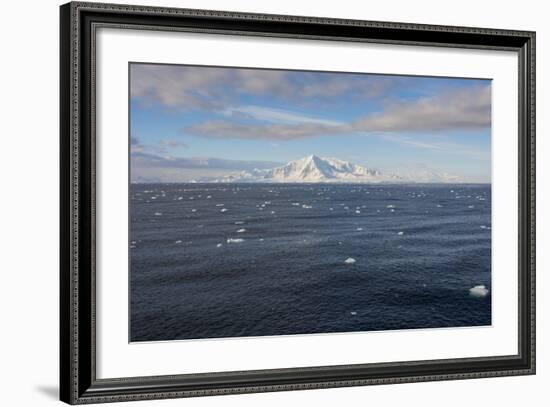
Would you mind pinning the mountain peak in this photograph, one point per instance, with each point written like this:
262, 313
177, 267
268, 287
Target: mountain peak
315, 169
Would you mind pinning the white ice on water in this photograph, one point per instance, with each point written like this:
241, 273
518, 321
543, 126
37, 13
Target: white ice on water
479, 291
230, 240
350, 260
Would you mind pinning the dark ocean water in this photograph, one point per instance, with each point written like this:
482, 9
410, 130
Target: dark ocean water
418, 249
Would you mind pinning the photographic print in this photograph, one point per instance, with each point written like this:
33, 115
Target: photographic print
280, 202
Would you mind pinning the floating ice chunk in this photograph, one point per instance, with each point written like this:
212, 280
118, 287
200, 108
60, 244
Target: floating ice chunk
261, 240
223, 210
132, 247
440, 206
483, 227
273, 212
392, 210
307, 206
230, 240
180, 198
470, 206
359, 229
400, 233
153, 197
241, 230
390, 206
219, 204
479, 291
158, 213
330, 209
349, 260
209, 197
346, 207
193, 210
295, 203
239, 222
357, 211
353, 313
178, 241
219, 245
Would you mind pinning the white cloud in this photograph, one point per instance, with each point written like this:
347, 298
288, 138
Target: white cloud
463, 109
276, 115
207, 88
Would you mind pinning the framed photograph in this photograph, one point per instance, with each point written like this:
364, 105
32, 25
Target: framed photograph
255, 203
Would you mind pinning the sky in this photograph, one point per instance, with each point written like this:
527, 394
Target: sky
188, 122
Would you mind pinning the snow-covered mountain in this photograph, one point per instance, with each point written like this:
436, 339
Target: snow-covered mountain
314, 169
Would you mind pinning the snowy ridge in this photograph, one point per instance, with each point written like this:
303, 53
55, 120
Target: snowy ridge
314, 169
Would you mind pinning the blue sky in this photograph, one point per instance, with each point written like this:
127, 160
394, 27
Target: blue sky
181, 115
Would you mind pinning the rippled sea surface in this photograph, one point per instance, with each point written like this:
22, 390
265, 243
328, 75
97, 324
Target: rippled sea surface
227, 260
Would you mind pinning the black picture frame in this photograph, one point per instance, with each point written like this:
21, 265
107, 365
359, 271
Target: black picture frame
78, 382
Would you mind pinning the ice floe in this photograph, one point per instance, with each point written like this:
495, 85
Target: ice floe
307, 206
230, 240
241, 230
223, 210
400, 233
239, 222
479, 291
353, 313
158, 213
219, 245
350, 260
359, 229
